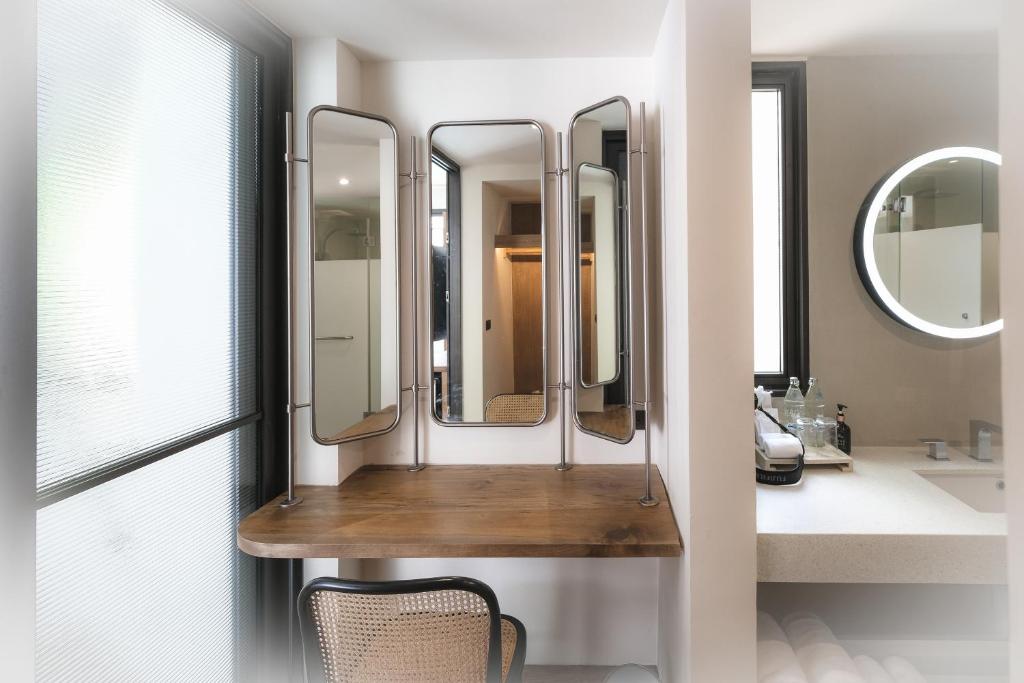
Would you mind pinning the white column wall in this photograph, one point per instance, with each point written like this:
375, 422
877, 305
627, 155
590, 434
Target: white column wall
702, 65
324, 72
1011, 210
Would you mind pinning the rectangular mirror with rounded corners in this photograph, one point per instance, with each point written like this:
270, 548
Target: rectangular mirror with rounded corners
599, 153
354, 314
488, 301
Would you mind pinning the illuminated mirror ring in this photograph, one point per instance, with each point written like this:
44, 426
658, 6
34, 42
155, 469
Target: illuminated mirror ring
864, 245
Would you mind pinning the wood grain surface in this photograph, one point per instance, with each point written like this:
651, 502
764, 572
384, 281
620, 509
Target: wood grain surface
470, 511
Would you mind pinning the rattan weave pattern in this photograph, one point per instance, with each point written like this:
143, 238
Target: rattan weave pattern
427, 637
525, 408
508, 646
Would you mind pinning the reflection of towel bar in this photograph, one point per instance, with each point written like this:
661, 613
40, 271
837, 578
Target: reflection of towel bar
347, 337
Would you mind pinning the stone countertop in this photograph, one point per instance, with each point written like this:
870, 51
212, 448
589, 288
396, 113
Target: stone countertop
879, 523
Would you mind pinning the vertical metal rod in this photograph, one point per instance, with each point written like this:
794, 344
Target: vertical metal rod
562, 465
289, 162
369, 322
413, 178
648, 498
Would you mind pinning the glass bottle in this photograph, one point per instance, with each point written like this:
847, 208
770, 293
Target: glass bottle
814, 411
793, 404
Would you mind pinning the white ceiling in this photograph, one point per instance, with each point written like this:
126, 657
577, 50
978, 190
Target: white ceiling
872, 27
480, 145
393, 30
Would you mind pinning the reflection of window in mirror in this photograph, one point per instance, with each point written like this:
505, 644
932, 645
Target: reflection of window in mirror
779, 150
446, 294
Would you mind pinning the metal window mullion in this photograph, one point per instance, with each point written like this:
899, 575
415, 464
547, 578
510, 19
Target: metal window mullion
94, 478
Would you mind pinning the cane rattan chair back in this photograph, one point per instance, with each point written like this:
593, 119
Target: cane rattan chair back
524, 408
445, 630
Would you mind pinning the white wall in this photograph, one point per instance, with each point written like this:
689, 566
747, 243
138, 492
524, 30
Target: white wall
415, 95
1011, 209
18, 336
498, 369
324, 72
482, 292
588, 610
707, 596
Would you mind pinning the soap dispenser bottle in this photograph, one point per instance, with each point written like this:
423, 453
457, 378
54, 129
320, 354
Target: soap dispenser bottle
844, 439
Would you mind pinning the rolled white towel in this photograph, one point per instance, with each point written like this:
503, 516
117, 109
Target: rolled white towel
804, 628
822, 658
777, 663
769, 629
828, 663
871, 671
902, 671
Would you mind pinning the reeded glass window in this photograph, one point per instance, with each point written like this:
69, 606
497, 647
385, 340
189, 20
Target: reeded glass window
148, 219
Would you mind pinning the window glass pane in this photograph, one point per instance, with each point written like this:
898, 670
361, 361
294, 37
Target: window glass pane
147, 218
438, 187
767, 168
138, 579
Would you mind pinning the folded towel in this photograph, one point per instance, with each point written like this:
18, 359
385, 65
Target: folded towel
871, 671
777, 663
781, 447
822, 658
902, 671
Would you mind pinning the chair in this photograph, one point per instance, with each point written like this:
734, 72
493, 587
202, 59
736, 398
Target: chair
442, 630
524, 408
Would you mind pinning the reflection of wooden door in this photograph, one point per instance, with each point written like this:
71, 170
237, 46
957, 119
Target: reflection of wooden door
527, 325
587, 319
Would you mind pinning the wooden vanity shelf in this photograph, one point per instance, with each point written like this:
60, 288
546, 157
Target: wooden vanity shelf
470, 511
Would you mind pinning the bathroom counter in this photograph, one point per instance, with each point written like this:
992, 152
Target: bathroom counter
879, 523
470, 511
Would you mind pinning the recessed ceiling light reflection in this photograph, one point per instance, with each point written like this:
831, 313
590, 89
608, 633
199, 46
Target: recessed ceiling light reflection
343, 181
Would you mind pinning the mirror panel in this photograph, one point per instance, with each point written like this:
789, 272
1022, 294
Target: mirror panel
927, 243
599, 143
353, 173
488, 306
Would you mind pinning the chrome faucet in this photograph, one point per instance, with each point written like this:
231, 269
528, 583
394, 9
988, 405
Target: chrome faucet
981, 439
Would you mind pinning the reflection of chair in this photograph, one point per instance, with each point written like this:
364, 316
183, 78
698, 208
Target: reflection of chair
426, 630
526, 408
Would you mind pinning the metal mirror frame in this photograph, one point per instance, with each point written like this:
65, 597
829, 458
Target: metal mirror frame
864, 240
626, 353
543, 258
619, 299
312, 258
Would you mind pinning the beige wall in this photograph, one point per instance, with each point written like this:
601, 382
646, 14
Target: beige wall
1011, 207
866, 115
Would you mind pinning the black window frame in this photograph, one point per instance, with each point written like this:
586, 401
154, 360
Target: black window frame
790, 79
277, 645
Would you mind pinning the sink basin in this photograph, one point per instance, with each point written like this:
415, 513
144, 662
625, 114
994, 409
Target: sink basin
982, 490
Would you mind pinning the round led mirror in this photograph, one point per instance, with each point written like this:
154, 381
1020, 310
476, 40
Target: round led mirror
927, 243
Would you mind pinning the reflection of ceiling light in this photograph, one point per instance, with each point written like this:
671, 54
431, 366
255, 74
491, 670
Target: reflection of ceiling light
954, 161
343, 181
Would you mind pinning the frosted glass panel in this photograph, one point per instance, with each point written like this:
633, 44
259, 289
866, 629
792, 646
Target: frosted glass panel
139, 579
147, 217
767, 168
